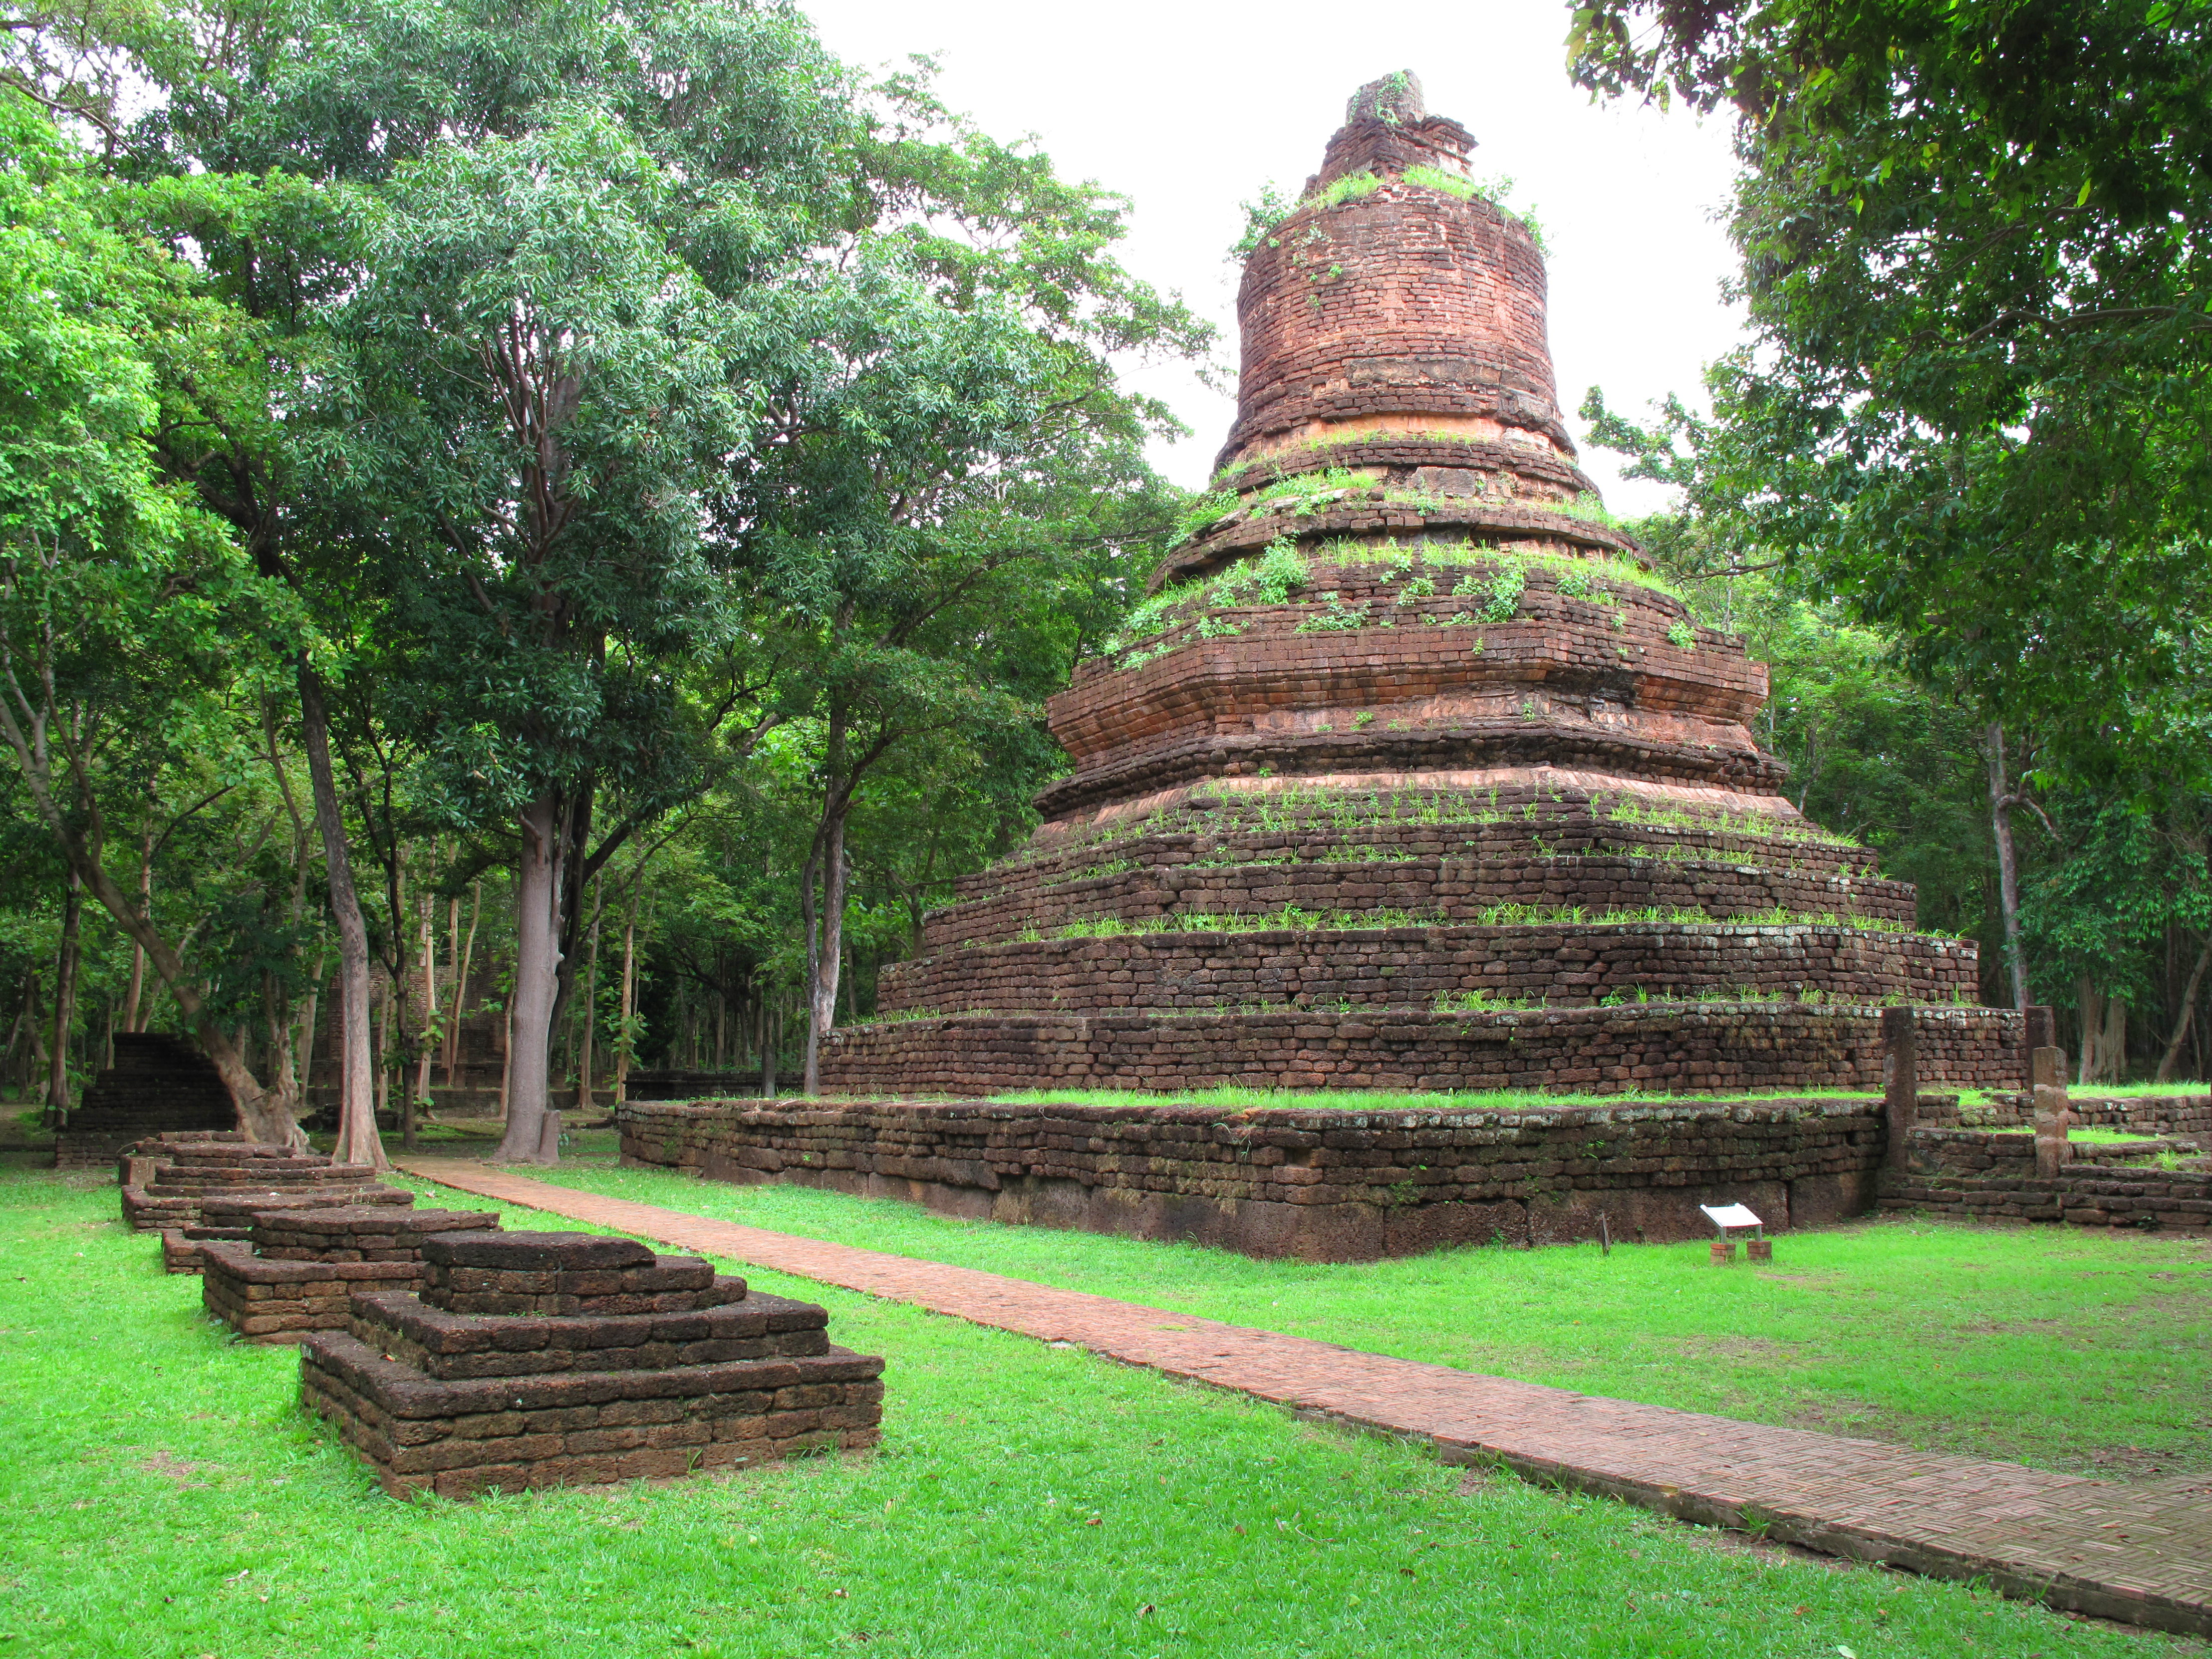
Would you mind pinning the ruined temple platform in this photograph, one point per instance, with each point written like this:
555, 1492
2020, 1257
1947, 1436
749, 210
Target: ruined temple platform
540, 1359
2141, 1552
196, 1188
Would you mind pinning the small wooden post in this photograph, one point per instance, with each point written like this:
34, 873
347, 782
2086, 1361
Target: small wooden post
1900, 1040
2053, 1117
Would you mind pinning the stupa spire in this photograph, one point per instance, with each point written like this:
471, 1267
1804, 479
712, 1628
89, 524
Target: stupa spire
1398, 298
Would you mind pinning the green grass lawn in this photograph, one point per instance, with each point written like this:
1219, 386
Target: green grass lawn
165, 1500
2062, 1348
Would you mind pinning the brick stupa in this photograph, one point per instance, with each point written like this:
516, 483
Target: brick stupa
1409, 773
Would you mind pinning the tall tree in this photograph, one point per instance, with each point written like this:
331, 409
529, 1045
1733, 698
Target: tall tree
122, 607
1976, 258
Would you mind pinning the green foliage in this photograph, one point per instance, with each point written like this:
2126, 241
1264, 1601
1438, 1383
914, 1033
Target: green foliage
1337, 615
1348, 188
1261, 216
1275, 576
1976, 402
1505, 588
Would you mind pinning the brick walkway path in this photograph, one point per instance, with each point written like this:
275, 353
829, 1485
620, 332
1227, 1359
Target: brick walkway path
2143, 1552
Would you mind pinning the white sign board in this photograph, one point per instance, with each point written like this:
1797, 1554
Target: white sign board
1730, 1215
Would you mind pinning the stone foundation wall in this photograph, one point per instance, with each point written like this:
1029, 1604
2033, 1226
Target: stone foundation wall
2187, 1117
1315, 1185
1992, 1177
1658, 1049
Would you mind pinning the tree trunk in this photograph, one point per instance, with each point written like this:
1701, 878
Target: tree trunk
284, 1080
57, 1094
506, 1055
461, 980
384, 1049
767, 1046
533, 1127
358, 1141
825, 950
2001, 805
309, 1017
2181, 1023
146, 903
428, 1052
590, 1009
628, 1039
2104, 1035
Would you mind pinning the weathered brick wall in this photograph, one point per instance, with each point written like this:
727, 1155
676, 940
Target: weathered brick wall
1563, 964
1633, 1048
1622, 760
1492, 825
1303, 874
2184, 1117
1404, 299
553, 1360
1559, 661
1314, 1184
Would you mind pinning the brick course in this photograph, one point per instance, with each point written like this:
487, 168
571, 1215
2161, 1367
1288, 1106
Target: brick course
297, 1270
1629, 1049
1974, 1175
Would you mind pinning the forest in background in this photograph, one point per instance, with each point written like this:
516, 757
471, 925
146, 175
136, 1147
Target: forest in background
589, 503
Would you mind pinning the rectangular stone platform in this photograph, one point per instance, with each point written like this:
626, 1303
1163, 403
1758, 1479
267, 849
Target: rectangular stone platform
544, 1360
300, 1269
1316, 1184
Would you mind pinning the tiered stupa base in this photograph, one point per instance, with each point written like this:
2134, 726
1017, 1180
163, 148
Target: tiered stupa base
547, 1359
298, 1270
1510, 933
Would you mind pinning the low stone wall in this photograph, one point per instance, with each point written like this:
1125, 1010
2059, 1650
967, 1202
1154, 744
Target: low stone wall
2187, 1117
551, 1359
1660, 1047
1315, 1185
1970, 1175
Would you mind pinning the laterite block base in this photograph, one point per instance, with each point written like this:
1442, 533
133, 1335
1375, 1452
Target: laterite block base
549, 1359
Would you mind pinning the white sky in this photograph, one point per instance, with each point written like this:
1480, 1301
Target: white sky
1188, 108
